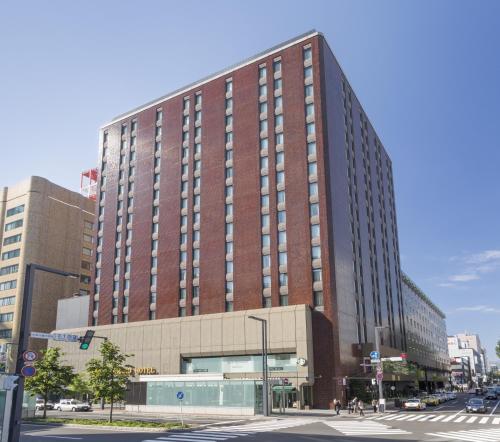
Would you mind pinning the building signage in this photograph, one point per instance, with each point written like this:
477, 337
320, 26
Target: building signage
134, 371
55, 336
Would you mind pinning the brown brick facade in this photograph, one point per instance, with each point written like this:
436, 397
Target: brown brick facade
336, 324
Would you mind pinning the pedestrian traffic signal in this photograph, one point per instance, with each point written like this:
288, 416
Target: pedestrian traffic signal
86, 340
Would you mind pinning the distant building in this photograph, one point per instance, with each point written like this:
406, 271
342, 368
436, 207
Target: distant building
45, 224
426, 336
465, 345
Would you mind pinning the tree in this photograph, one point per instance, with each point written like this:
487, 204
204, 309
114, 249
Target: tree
51, 376
80, 386
497, 349
108, 375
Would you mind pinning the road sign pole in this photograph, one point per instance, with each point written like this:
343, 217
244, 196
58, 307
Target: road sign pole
379, 368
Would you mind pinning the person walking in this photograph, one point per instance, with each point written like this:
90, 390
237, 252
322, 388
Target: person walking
337, 407
361, 407
374, 405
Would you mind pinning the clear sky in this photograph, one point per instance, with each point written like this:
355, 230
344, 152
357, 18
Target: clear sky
427, 73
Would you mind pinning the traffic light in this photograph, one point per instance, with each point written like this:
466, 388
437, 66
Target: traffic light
86, 340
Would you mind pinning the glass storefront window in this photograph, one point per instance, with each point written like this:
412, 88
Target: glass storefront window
239, 364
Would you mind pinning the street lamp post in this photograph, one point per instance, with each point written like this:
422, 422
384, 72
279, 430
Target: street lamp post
265, 393
24, 333
379, 363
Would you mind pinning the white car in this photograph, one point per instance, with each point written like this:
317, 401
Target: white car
72, 405
414, 404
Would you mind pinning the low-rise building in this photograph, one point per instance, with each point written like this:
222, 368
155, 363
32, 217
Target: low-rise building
426, 335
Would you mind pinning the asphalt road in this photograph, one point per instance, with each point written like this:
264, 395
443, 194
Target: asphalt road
447, 422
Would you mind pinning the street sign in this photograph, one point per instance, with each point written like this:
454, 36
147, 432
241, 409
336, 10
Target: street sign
404, 355
379, 376
375, 361
393, 359
180, 395
28, 371
375, 355
55, 336
30, 356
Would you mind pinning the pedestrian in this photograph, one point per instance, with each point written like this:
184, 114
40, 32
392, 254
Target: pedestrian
349, 407
361, 407
337, 407
374, 405
355, 404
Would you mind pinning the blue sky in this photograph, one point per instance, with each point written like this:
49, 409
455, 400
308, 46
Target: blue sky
426, 72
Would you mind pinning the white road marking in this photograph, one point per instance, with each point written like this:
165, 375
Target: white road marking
493, 411
470, 435
496, 421
460, 418
471, 419
483, 420
363, 428
438, 418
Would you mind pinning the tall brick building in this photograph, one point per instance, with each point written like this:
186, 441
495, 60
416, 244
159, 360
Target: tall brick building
261, 186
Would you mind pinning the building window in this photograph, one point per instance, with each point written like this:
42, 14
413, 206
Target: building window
309, 91
266, 282
316, 273
11, 254
283, 279
282, 237
282, 258
14, 225
266, 261
277, 66
229, 86
15, 210
318, 298
9, 269
316, 252
12, 239
8, 285
263, 90
5, 334
9, 300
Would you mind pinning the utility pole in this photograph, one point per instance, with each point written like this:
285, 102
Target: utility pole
24, 334
379, 363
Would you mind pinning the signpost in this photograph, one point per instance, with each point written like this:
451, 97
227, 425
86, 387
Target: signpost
30, 356
28, 370
180, 396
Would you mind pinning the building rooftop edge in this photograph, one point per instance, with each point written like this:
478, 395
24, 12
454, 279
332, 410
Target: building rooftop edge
421, 294
215, 75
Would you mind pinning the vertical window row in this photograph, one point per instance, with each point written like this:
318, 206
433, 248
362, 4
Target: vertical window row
354, 213
228, 209
100, 223
155, 214
312, 172
184, 208
280, 182
129, 217
195, 305
370, 216
264, 189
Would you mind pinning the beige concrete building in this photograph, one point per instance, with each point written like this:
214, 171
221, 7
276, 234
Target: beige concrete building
219, 352
45, 224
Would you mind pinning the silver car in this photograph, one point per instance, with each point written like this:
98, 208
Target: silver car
72, 405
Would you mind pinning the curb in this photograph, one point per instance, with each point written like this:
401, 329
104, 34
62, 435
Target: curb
106, 427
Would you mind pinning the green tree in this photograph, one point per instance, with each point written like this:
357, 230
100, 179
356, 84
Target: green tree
497, 349
108, 375
80, 386
51, 376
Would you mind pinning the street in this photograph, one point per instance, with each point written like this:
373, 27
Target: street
446, 422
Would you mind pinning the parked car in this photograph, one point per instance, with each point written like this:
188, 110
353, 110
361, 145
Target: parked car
476, 405
414, 404
72, 405
40, 405
430, 400
452, 395
491, 393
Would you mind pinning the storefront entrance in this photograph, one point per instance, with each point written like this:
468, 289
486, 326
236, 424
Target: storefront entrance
284, 396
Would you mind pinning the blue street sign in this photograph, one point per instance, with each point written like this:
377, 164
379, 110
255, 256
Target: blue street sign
28, 371
180, 395
375, 355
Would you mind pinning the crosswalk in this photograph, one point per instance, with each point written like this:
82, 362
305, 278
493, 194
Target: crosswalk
363, 428
443, 417
230, 432
490, 435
